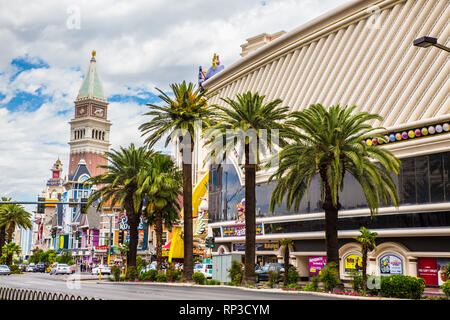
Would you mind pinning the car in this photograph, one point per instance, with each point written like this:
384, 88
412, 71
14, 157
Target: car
151, 266
4, 269
60, 268
40, 267
104, 269
204, 268
263, 273
72, 269
31, 268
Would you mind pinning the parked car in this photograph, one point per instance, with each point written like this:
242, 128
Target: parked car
103, 268
204, 268
60, 268
72, 269
40, 267
151, 266
263, 273
31, 268
4, 269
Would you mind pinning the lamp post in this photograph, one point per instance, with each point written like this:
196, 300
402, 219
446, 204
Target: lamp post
426, 42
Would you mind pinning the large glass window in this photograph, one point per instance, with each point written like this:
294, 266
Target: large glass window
424, 179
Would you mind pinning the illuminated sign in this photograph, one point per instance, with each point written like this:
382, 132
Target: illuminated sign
239, 231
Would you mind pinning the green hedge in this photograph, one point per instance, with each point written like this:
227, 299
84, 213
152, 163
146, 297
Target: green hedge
400, 286
446, 288
199, 278
161, 277
148, 276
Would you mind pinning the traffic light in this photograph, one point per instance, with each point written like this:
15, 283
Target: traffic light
78, 235
121, 236
41, 206
53, 232
111, 251
83, 205
210, 242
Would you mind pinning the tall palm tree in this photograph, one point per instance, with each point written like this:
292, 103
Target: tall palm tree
330, 143
9, 251
287, 244
248, 124
119, 184
3, 228
367, 241
182, 117
161, 188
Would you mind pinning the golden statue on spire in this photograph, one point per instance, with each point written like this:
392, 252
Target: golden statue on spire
94, 53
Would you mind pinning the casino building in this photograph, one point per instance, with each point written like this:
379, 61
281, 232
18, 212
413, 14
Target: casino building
359, 54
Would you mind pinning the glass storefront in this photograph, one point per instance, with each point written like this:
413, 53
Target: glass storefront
424, 179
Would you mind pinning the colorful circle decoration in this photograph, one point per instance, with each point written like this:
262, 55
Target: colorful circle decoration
410, 134
446, 127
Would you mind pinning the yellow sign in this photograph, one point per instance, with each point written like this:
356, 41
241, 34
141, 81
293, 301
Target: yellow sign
177, 246
353, 262
198, 193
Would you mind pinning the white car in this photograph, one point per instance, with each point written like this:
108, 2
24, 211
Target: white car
61, 268
103, 268
4, 269
204, 268
151, 266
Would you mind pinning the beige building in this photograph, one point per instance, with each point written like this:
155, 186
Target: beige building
359, 54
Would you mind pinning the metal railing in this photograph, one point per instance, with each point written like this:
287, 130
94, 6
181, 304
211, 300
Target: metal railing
7, 293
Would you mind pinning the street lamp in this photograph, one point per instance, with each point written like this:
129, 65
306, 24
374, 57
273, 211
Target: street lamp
425, 42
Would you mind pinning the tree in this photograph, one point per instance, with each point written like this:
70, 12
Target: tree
331, 144
286, 244
161, 189
367, 241
9, 250
181, 117
65, 257
119, 184
12, 216
250, 125
3, 228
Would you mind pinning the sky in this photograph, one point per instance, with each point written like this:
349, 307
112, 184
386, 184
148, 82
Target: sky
140, 45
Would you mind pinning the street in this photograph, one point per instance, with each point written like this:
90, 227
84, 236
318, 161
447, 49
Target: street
106, 290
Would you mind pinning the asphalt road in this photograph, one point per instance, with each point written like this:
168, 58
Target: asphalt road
88, 287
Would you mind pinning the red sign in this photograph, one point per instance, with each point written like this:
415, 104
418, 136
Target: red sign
101, 248
428, 270
55, 174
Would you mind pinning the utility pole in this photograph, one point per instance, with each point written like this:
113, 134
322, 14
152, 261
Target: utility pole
110, 236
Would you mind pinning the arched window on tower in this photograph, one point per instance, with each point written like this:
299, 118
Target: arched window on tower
103, 135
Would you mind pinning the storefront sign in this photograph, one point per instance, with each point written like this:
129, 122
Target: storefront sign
123, 223
101, 248
239, 231
442, 263
390, 264
270, 246
352, 262
316, 263
428, 270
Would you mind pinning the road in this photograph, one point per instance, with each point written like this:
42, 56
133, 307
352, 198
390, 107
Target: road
114, 291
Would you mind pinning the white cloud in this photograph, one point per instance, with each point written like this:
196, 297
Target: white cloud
140, 45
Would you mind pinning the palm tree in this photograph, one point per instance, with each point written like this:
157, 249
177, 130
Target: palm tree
367, 241
12, 216
3, 228
161, 189
287, 244
9, 251
251, 122
181, 117
330, 144
120, 185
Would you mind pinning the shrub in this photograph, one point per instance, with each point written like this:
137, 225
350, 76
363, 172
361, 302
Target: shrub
293, 276
148, 276
131, 273
310, 287
14, 269
400, 286
235, 273
330, 276
161, 277
173, 275
356, 281
446, 288
274, 277
115, 271
199, 278
213, 282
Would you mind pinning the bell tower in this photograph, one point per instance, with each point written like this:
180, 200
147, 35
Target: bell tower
89, 130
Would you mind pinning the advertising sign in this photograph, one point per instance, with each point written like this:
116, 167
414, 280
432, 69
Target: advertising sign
390, 264
352, 262
269, 246
315, 264
428, 270
239, 231
442, 264
123, 223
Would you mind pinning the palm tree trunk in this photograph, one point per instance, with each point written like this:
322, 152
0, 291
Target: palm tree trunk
286, 266
158, 230
187, 208
250, 219
10, 237
2, 238
364, 268
133, 221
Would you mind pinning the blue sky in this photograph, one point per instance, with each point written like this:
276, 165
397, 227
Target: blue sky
140, 45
